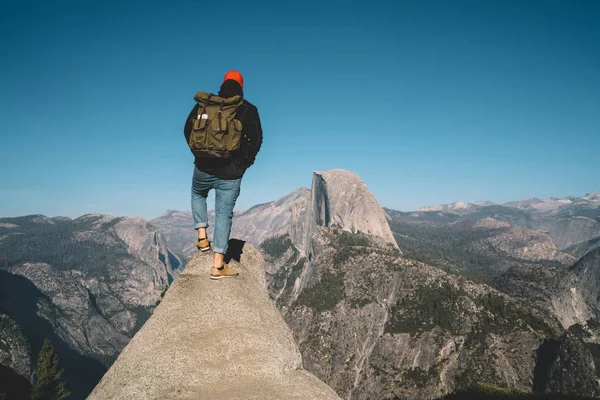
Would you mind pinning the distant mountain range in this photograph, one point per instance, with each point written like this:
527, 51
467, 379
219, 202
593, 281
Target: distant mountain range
393, 320
552, 205
383, 303
570, 225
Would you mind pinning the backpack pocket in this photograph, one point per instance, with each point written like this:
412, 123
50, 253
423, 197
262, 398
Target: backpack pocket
236, 124
200, 123
234, 135
220, 123
198, 134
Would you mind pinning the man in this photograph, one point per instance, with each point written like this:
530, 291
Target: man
223, 171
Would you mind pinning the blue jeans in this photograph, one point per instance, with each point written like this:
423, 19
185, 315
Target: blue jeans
227, 192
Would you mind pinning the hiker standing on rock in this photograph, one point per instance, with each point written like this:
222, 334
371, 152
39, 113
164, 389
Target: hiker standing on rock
224, 133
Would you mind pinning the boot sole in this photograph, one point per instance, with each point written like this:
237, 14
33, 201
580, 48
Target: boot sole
222, 276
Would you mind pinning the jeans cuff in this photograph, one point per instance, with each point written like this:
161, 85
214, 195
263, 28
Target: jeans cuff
201, 225
218, 250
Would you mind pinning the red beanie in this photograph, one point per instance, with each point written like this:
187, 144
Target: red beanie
236, 76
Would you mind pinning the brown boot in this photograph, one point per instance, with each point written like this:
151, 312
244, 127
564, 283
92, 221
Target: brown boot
203, 244
225, 272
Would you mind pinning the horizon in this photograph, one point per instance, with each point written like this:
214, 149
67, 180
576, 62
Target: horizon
427, 102
242, 210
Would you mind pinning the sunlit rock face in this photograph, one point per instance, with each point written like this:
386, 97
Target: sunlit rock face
340, 198
214, 340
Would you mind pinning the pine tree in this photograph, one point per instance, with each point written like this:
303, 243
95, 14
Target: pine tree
48, 385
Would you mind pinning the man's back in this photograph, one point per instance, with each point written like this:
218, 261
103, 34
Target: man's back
247, 114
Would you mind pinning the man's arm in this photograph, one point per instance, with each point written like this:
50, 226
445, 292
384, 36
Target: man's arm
254, 135
187, 129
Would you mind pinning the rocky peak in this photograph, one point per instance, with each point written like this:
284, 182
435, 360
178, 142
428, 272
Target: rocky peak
341, 198
299, 194
337, 197
594, 197
458, 207
174, 215
231, 342
484, 203
532, 203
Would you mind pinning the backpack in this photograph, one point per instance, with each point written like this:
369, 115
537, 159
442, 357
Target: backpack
215, 131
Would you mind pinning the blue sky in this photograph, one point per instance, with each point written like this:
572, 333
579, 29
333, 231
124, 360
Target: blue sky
427, 101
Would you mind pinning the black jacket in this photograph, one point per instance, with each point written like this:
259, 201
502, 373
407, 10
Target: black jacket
247, 113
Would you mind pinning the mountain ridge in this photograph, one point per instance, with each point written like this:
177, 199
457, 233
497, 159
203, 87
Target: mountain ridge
534, 203
323, 254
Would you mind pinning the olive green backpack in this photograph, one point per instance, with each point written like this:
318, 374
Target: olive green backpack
215, 131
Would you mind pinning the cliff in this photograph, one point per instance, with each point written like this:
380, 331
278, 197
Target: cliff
213, 340
339, 197
86, 284
587, 270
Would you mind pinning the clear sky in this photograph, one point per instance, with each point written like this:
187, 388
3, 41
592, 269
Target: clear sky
427, 101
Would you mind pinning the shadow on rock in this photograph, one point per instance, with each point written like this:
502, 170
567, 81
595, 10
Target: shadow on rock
235, 250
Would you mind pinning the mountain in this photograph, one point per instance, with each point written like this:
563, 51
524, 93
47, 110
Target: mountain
346, 203
423, 217
536, 204
214, 340
567, 221
393, 327
382, 303
587, 269
569, 231
513, 216
558, 290
484, 203
476, 245
555, 206
565, 211
177, 228
580, 249
271, 219
523, 263
593, 197
340, 198
518, 242
458, 207
87, 284
447, 311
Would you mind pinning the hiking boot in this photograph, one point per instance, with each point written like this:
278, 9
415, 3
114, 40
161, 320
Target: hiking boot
225, 272
203, 244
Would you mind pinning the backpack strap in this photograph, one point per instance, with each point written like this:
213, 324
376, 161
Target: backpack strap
220, 116
245, 110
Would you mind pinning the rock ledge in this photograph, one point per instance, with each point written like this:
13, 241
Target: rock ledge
214, 340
